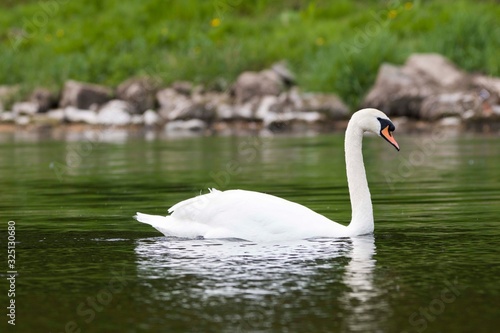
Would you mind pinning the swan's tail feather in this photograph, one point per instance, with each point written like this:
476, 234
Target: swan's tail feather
171, 226
185, 217
148, 219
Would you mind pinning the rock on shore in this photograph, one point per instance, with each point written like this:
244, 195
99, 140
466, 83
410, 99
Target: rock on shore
84, 95
265, 99
427, 87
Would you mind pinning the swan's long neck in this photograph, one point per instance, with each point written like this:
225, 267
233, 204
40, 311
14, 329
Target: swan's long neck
361, 203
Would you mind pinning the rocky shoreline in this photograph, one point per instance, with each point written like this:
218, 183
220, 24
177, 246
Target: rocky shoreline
427, 89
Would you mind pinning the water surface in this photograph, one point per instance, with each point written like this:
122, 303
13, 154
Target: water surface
84, 263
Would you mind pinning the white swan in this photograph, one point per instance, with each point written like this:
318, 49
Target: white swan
262, 217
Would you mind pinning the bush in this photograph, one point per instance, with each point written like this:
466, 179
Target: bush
331, 45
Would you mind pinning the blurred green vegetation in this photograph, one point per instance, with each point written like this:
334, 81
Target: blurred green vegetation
331, 45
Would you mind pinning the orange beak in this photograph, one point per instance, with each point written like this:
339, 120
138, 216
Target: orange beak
386, 134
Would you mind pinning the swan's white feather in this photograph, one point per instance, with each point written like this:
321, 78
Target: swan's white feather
243, 214
262, 217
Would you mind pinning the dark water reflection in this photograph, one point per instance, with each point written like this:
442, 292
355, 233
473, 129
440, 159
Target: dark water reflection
302, 285
431, 266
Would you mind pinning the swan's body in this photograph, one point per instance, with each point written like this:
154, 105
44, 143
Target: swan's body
262, 217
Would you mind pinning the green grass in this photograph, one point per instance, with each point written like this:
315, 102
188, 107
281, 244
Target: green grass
332, 46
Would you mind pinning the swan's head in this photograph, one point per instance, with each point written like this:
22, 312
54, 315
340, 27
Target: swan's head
375, 121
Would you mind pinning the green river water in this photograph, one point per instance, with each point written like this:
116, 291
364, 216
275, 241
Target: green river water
85, 265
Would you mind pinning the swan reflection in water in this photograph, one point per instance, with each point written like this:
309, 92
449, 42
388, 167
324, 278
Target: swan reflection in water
293, 283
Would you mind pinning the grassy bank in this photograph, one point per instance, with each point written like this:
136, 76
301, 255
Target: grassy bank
331, 45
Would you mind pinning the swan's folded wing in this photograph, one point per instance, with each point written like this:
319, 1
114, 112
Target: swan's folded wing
256, 216
193, 208
242, 214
